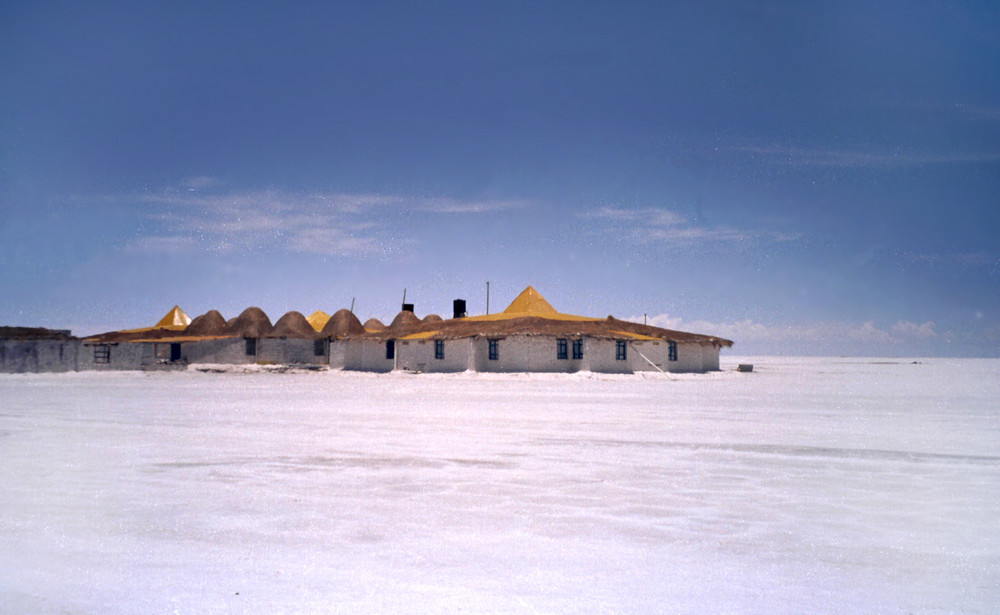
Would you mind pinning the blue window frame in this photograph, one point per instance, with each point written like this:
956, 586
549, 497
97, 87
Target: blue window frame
562, 349
672, 351
620, 350
577, 349
494, 350
439, 349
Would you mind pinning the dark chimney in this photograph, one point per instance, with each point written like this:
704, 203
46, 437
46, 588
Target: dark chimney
408, 307
459, 305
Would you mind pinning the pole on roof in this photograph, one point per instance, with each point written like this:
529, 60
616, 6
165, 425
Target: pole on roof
352, 305
644, 318
487, 297
404, 296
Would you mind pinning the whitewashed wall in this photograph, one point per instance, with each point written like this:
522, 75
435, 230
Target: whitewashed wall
418, 356
27, 356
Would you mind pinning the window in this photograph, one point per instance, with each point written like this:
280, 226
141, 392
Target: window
390, 349
175, 352
319, 348
620, 350
251, 346
102, 353
494, 350
439, 349
561, 349
577, 349
672, 351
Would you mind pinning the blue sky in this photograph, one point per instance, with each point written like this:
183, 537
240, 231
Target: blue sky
817, 178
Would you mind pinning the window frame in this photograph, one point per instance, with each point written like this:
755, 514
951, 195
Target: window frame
439, 350
102, 354
621, 350
562, 349
493, 349
577, 350
671, 351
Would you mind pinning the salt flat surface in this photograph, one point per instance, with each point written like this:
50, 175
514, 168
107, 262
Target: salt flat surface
807, 486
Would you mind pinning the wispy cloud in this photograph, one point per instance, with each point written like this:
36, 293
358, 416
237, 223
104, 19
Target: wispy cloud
196, 215
665, 226
864, 337
792, 155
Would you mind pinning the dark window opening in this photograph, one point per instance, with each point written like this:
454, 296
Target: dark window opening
175, 352
439, 349
577, 349
102, 353
672, 351
620, 351
494, 350
390, 349
319, 348
561, 349
251, 348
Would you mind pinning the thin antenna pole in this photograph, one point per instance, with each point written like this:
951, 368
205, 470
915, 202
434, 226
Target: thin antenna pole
352, 305
487, 297
404, 296
644, 318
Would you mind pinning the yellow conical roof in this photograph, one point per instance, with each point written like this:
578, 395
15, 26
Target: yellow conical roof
175, 320
318, 319
530, 303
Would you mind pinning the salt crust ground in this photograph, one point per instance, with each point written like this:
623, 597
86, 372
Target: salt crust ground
807, 486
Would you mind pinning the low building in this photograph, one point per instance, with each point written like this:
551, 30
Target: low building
529, 336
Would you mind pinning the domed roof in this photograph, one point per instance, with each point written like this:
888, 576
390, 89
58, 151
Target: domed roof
253, 322
209, 323
374, 324
343, 322
404, 319
293, 324
432, 318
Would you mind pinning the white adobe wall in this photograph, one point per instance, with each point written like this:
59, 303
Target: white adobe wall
28, 356
288, 351
230, 350
527, 353
600, 357
710, 358
418, 356
123, 356
361, 355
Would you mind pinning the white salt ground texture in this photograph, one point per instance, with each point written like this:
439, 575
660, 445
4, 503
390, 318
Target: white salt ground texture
807, 486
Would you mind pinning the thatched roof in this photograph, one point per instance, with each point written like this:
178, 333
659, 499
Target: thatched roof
531, 314
318, 319
209, 323
374, 324
342, 323
432, 318
33, 333
404, 319
293, 324
253, 322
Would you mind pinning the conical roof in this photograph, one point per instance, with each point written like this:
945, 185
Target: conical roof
530, 303
318, 319
405, 318
175, 320
374, 324
209, 323
293, 324
253, 322
343, 322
